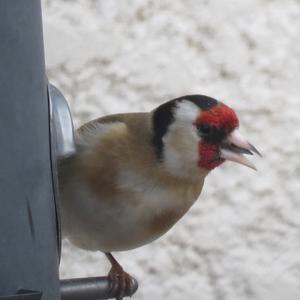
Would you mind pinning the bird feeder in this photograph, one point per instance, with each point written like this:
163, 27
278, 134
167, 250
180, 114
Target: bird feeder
35, 130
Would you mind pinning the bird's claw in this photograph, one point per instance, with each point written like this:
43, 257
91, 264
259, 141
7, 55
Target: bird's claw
121, 282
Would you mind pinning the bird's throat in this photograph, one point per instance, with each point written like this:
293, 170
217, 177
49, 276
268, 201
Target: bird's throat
209, 157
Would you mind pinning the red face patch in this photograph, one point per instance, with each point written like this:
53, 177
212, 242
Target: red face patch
220, 116
209, 156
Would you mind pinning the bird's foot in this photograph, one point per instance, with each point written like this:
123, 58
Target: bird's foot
121, 282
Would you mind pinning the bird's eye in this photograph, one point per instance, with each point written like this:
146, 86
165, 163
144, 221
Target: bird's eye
204, 129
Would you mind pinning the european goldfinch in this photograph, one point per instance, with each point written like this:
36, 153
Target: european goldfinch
134, 175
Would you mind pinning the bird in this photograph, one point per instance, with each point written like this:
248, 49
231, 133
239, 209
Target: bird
134, 175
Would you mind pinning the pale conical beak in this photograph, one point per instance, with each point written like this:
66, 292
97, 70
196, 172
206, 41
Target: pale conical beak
234, 148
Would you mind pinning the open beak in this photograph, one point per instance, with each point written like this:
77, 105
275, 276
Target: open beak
234, 148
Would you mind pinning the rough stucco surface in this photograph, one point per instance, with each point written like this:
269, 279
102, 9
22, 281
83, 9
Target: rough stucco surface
242, 239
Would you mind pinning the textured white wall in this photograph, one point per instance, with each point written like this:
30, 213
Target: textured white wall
242, 240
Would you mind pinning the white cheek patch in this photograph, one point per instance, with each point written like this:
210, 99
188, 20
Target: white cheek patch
181, 142
181, 152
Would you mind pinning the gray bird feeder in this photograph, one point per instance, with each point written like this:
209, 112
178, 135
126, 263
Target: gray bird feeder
35, 130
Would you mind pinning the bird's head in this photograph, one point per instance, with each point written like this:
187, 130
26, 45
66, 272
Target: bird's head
198, 132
